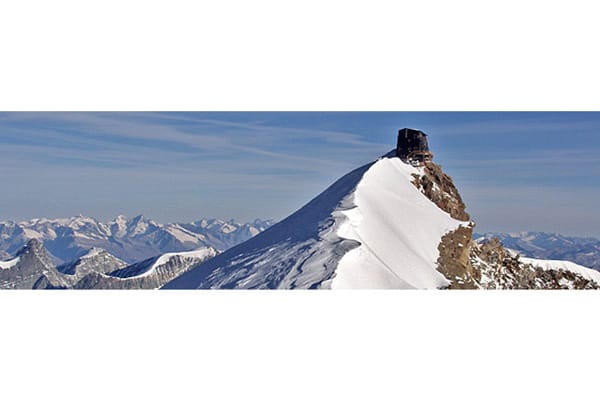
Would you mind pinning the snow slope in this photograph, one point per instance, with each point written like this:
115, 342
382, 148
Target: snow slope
149, 267
371, 229
201, 254
399, 230
10, 263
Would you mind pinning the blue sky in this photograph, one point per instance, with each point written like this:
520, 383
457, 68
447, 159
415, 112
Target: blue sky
516, 171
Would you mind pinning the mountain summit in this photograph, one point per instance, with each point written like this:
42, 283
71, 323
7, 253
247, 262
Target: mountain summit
377, 227
396, 223
28, 265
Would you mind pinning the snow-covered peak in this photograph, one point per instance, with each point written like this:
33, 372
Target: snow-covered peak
82, 220
121, 218
150, 267
122, 226
371, 229
200, 254
119, 226
138, 225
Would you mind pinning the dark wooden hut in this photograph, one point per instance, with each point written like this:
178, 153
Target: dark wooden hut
413, 147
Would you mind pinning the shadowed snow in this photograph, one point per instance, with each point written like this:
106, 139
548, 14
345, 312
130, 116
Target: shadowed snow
301, 251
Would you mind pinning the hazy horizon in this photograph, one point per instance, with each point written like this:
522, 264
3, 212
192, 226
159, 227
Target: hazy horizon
516, 171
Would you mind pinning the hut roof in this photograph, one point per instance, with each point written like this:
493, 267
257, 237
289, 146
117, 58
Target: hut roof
413, 130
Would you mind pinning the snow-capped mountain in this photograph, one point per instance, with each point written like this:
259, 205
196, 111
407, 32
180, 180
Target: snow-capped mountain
223, 235
33, 268
395, 223
95, 260
27, 267
583, 251
149, 274
373, 228
388, 224
131, 240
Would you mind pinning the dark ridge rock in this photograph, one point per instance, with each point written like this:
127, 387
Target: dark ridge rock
552, 246
455, 248
454, 261
50, 281
35, 251
440, 189
498, 269
468, 265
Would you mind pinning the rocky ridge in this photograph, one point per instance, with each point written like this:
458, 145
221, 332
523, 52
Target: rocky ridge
469, 264
581, 250
497, 268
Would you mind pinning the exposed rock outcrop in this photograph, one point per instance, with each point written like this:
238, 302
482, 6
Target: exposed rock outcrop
501, 270
440, 189
455, 262
551, 246
455, 248
488, 265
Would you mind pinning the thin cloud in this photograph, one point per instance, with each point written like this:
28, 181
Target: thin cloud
256, 164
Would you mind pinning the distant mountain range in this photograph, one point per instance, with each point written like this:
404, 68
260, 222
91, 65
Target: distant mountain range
33, 268
553, 246
129, 239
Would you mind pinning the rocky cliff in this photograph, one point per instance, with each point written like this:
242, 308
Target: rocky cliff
487, 265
